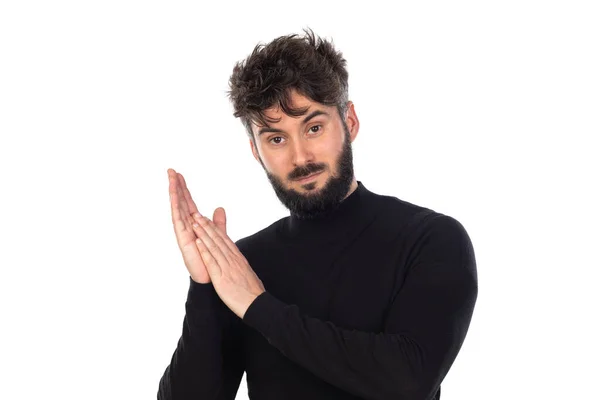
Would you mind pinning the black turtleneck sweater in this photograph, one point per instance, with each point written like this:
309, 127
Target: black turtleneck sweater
372, 301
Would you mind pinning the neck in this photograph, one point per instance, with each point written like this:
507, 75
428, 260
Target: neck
353, 210
353, 187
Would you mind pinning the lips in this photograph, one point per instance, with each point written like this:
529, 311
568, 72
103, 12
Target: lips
309, 177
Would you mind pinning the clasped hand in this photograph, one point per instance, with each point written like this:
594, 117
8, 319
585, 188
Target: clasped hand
234, 280
209, 254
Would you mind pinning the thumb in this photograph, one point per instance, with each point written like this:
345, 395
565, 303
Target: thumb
220, 219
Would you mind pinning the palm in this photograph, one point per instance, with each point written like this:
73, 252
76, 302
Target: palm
182, 209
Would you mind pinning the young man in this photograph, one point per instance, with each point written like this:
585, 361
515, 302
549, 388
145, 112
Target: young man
354, 295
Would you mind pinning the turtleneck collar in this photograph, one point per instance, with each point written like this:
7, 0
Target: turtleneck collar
350, 212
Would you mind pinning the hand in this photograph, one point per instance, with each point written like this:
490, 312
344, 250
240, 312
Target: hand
182, 208
234, 280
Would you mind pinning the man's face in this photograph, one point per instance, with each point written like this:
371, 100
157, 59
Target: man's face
318, 142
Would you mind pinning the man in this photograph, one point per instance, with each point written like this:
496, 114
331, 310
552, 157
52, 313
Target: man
354, 295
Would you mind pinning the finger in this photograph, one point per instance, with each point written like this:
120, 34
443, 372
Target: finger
185, 212
211, 253
204, 227
220, 219
182, 201
215, 234
176, 217
212, 267
187, 195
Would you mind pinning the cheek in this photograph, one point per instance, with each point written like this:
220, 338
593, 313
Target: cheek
329, 151
274, 163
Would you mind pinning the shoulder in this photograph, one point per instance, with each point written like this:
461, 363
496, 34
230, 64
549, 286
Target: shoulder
445, 231
442, 242
421, 227
396, 216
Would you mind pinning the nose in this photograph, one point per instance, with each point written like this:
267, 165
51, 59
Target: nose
302, 152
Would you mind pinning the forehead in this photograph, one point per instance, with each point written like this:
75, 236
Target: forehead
297, 101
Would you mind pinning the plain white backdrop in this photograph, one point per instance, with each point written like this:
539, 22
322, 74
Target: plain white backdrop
486, 111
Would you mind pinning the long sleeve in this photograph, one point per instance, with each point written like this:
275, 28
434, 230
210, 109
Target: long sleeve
423, 332
207, 363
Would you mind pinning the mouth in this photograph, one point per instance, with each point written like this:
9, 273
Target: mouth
308, 178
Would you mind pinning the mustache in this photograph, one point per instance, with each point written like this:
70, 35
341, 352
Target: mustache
303, 173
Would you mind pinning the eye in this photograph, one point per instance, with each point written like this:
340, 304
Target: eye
312, 128
273, 138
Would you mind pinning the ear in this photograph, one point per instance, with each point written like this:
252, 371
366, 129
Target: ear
352, 121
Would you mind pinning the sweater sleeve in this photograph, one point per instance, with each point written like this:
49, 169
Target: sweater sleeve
423, 331
207, 363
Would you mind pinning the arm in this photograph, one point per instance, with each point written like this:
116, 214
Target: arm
207, 363
425, 328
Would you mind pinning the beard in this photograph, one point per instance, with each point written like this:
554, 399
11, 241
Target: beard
315, 202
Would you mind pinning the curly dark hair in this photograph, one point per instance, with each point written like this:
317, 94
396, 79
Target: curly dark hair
308, 64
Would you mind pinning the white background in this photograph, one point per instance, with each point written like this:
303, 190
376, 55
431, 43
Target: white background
485, 111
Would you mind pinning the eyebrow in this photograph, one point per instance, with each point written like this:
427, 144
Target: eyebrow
304, 121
